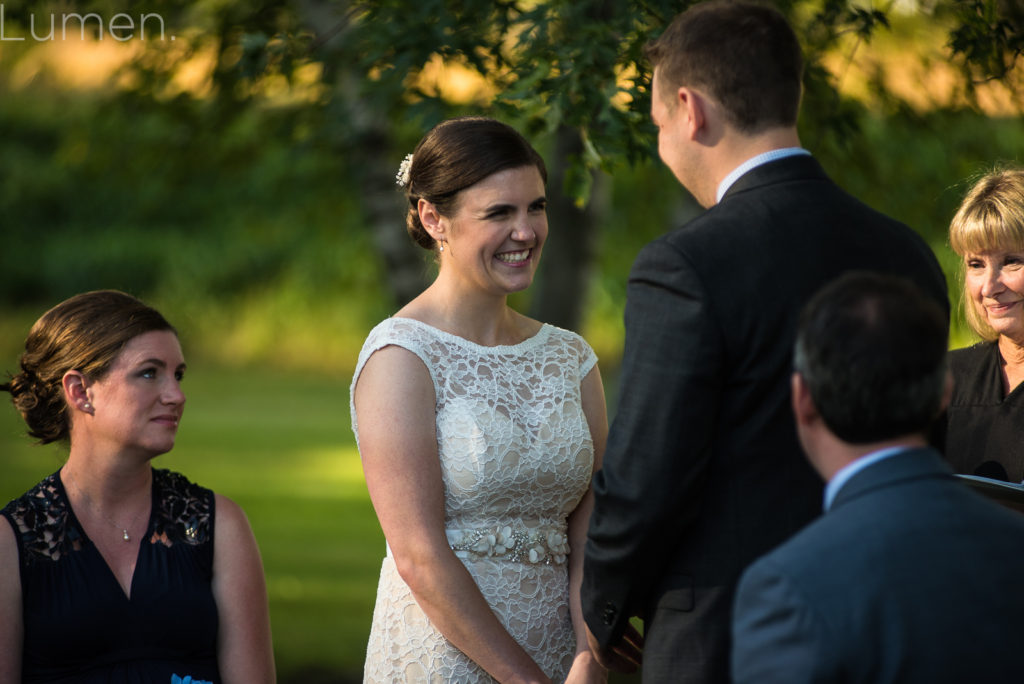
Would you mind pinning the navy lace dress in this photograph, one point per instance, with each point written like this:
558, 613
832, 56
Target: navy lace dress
79, 624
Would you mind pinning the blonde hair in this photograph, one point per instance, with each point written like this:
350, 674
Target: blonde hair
990, 218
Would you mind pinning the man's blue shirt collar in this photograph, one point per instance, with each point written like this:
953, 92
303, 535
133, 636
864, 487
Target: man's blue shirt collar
844, 474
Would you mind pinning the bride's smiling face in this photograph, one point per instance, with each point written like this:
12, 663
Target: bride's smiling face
494, 239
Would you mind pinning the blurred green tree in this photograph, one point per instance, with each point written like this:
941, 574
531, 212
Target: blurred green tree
569, 73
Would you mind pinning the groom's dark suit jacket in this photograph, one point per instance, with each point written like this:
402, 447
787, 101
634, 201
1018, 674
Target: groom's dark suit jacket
703, 472
910, 578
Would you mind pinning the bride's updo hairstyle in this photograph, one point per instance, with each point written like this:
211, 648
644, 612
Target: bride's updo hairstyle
85, 333
456, 154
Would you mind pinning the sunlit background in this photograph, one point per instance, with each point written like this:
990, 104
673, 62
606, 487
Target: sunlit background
235, 169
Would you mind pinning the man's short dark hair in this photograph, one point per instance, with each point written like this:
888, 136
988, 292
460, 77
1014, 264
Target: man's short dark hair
872, 351
744, 55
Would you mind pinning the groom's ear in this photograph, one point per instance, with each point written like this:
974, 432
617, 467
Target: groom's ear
804, 410
695, 105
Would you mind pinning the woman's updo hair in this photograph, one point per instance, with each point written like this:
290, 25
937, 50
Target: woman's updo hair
85, 333
990, 218
456, 154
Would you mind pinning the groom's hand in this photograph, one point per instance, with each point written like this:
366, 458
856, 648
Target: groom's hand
624, 656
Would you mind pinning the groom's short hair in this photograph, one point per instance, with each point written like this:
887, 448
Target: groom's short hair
743, 54
872, 351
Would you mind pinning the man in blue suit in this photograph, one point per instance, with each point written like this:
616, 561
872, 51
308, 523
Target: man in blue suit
909, 576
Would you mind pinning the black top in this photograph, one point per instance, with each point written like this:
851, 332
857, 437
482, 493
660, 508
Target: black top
982, 432
79, 624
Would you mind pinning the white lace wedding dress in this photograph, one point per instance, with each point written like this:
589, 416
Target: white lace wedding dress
516, 457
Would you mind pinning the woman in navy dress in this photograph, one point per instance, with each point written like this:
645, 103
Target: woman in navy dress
112, 570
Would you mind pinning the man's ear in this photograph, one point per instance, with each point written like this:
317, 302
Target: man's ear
804, 410
695, 107
76, 391
435, 224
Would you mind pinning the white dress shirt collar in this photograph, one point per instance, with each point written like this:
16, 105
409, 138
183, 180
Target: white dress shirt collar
763, 158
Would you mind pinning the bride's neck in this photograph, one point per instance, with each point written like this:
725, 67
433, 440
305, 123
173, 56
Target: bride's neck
482, 318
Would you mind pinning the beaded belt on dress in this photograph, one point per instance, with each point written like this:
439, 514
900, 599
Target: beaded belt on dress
545, 544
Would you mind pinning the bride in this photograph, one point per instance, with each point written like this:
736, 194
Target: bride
479, 430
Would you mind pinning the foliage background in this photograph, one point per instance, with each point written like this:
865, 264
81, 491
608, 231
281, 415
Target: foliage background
240, 180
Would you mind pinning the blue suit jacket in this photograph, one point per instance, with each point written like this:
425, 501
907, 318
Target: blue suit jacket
910, 577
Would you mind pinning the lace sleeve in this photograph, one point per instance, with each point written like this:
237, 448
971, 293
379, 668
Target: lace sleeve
584, 353
39, 519
588, 359
390, 332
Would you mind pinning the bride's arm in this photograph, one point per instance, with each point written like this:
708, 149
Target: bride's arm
627, 655
585, 667
394, 404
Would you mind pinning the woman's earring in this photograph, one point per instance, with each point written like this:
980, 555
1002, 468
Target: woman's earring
440, 247
87, 406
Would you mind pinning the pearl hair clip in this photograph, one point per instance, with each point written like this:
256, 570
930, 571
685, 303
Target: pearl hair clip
402, 177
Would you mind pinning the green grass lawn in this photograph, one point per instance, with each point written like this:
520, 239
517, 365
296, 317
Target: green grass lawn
281, 445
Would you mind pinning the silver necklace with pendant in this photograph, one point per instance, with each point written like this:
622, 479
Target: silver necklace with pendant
88, 502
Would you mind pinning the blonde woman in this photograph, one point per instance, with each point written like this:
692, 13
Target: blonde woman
983, 430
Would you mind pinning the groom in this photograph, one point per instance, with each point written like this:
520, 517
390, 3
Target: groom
703, 472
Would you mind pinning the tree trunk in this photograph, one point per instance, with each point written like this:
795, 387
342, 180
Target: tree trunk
559, 293
368, 139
